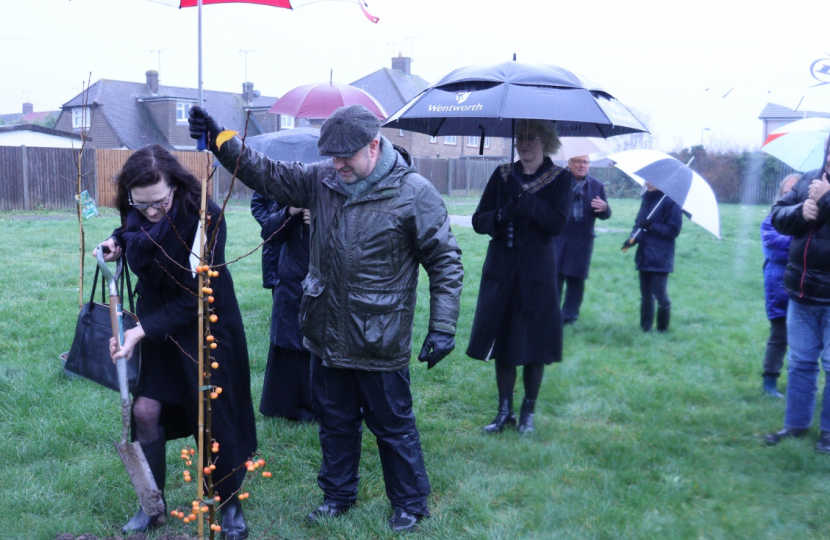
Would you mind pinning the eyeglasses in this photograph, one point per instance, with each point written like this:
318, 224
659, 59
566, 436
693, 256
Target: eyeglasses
526, 138
579, 161
158, 205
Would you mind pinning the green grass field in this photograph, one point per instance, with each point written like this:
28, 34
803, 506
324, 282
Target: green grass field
639, 436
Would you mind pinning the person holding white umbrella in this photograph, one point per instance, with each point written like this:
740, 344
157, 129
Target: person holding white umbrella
804, 213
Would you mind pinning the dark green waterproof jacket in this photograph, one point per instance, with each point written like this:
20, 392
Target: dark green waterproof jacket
359, 296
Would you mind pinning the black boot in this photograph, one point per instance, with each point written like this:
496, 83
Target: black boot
156, 457
233, 520
503, 417
646, 314
526, 416
663, 316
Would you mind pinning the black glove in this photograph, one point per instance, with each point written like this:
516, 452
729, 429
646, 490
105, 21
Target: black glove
629, 242
525, 206
437, 345
644, 223
201, 122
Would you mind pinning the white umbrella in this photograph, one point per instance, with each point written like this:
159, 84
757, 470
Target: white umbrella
679, 182
799, 144
581, 146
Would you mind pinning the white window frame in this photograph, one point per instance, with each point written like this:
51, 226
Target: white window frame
81, 117
486, 142
450, 139
286, 122
433, 140
182, 110
473, 140
401, 133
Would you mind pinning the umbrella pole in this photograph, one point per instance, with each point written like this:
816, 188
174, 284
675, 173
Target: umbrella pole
201, 98
656, 206
512, 153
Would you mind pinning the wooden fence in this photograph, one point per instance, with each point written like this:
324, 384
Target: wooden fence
45, 178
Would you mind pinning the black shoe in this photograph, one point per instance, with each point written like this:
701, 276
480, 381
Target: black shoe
233, 520
503, 417
823, 444
526, 416
787, 433
403, 521
328, 509
156, 456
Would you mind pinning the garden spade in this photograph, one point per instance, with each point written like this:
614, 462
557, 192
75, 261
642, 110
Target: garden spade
149, 495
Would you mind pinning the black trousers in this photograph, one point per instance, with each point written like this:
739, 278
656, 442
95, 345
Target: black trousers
653, 285
343, 399
573, 296
776, 347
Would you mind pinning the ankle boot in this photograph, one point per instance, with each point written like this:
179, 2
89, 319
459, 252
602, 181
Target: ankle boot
233, 520
156, 457
663, 316
526, 416
646, 314
771, 387
503, 417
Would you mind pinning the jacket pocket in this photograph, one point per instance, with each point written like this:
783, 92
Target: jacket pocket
380, 324
312, 309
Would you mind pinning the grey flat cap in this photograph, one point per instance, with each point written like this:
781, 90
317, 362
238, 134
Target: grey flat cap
347, 130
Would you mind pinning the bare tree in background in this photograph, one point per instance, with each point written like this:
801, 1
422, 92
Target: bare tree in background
634, 141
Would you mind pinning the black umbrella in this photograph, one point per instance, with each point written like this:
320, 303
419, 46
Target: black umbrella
298, 144
485, 100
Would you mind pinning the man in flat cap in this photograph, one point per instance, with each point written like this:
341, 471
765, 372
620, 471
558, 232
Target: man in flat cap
374, 220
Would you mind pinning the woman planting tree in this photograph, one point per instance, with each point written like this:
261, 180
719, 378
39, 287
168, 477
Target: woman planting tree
159, 204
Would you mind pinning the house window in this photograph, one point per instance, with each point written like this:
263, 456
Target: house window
486, 142
286, 122
401, 133
476, 141
433, 140
81, 117
450, 139
182, 109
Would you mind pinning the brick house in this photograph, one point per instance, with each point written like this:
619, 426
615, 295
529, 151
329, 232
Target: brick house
394, 88
774, 116
28, 116
129, 115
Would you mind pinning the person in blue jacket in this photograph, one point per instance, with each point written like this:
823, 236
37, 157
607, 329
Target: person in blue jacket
658, 221
776, 248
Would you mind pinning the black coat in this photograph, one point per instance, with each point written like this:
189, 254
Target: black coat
655, 245
263, 209
807, 275
517, 313
291, 239
576, 243
168, 314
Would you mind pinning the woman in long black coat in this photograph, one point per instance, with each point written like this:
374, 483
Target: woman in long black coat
517, 320
159, 204
286, 391
655, 254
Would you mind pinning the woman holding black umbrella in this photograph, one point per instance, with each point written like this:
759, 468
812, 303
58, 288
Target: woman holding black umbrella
658, 225
517, 320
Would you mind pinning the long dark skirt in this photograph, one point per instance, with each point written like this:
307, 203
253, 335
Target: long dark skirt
286, 391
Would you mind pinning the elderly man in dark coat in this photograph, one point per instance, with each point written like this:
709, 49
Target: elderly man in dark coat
576, 243
374, 222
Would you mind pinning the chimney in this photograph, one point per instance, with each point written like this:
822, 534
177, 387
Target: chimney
403, 64
248, 92
153, 81
28, 108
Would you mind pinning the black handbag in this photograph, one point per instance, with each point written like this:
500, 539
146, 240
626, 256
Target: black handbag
89, 355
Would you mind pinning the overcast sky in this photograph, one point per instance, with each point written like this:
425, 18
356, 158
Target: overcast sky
658, 57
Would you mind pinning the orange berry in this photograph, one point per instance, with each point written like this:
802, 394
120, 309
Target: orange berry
174, 513
214, 395
213, 345
211, 299
217, 498
207, 290
214, 273
187, 520
218, 527
206, 470
203, 509
261, 462
214, 365
181, 515
192, 451
249, 463
214, 318
218, 389
187, 479
192, 517
210, 339
212, 467
266, 474
188, 463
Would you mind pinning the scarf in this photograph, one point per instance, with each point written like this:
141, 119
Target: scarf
577, 212
386, 161
141, 235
